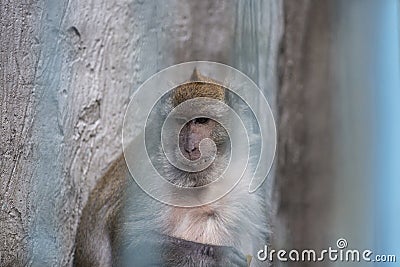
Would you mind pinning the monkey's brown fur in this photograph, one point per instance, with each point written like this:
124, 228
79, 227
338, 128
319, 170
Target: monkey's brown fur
100, 217
200, 86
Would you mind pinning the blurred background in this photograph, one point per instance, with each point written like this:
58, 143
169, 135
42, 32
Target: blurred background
329, 68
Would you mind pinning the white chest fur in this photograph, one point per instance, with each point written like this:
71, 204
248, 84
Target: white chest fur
207, 224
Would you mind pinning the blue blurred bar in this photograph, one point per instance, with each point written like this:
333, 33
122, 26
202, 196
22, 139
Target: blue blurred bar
387, 176
366, 56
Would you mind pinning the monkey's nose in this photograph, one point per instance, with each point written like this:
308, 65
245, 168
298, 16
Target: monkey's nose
190, 146
192, 152
190, 149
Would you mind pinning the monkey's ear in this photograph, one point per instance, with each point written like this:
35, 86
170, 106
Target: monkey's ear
196, 76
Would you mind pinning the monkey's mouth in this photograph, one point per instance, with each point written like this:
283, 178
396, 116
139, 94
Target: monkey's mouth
199, 165
202, 177
196, 179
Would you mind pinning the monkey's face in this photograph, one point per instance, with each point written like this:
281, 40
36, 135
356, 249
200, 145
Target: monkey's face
191, 135
204, 160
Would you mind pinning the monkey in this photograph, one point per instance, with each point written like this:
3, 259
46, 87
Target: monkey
122, 226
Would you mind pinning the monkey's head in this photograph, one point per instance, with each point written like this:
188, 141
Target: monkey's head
200, 128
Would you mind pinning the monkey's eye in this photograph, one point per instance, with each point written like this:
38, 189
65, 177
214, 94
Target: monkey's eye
201, 120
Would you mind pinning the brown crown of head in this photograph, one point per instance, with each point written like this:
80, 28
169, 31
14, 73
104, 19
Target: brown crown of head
198, 86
